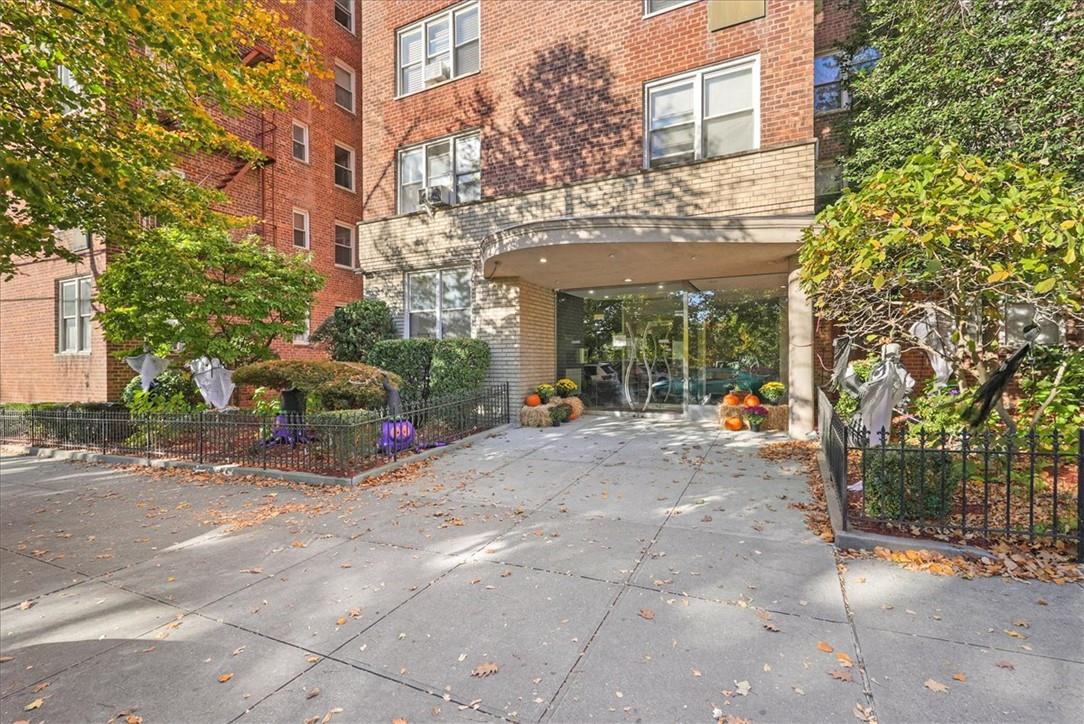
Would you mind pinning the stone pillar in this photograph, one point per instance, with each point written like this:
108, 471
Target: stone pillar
800, 358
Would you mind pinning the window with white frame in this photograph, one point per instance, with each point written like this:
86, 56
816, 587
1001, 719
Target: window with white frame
344, 245
438, 303
73, 89
709, 112
654, 7
300, 140
301, 228
303, 337
829, 73
439, 48
73, 315
344, 86
453, 164
344, 14
344, 167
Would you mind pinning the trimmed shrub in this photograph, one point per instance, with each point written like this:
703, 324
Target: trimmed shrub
328, 385
921, 473
458, 365
354, 328
410, 359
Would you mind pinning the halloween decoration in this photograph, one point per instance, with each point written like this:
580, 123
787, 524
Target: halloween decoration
987, 396
214, 381
148, 366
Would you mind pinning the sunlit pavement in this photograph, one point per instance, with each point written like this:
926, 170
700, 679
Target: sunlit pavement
611, 570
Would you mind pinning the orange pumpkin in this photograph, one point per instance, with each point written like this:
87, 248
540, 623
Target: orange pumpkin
733, 423
731, 399
751, 400
532, 401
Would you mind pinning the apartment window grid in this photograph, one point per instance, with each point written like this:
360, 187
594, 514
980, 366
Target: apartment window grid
300, 142
73, 316
829, 73
344, 166
453, 163
344, 86
302, 338
301, 228
439, 303
344, 14
657, 7
344, 245
439, 48
709, 112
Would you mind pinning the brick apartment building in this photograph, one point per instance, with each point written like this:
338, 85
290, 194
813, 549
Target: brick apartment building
499, 167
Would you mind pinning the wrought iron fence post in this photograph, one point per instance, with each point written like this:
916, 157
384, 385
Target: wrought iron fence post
1079, 496
844, 503
102, 430
507, 405
199, 437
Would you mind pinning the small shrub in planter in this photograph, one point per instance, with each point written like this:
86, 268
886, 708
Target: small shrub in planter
559, 413
921, 473
755, 415
773, 392
411, 359
458, 365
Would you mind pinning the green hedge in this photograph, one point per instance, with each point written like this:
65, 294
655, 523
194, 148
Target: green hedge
354, 328
458, 364
922, 472
411, 359
327, 385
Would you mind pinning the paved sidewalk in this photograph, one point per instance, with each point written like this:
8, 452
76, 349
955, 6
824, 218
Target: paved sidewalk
613, 570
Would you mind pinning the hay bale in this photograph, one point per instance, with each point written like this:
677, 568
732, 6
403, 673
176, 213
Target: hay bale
537, 416
574, 402
778, 415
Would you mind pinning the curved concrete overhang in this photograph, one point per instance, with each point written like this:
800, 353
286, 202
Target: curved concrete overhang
573, 253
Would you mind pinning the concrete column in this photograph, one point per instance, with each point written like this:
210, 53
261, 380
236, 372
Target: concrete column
800, 358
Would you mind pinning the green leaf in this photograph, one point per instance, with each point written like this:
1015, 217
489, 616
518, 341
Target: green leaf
1045, 285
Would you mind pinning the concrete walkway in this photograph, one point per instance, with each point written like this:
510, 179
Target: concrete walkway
612, 570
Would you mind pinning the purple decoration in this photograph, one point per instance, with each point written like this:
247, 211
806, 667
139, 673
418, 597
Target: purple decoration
396, 435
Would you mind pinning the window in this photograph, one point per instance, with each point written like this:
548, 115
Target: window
438, 303
344, 86
74, 239
828, 183
344, 245
829, 72
301, 142
303, 337
344, 14
654, 7
440, 48
706, 113
453, 164
73, 89
344, 167
73, 316
301, 228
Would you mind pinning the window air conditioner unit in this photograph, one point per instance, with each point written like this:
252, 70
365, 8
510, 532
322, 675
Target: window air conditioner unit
437, 73
435, 196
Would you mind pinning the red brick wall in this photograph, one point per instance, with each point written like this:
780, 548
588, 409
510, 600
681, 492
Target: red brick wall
559, 97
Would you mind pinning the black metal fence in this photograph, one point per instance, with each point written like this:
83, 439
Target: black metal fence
974, 485
341, 444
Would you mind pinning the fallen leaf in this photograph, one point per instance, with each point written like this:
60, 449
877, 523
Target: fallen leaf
312, 659
769, 626
346, 565
40, 686
1014, 634
863, 713
354, 613
825, 647
937, 686
841, 674
256, 570
1022, 623
4, 659
647, 614
1006, 665
313, 693
223, 678
36, 704
743, 688
238, 650
25, 605
399, 720
133, 719
505, 574
331, 713
484, 670
696, 672
340, 621
297, 544
844, 660
959, 676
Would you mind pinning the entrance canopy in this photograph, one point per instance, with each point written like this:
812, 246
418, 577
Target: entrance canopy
601, 251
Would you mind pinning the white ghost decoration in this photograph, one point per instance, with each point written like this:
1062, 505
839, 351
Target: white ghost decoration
148, 366
214, 381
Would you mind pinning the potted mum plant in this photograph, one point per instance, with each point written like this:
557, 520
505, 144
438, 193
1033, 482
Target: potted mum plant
545, 392
773, 392
755, 416
565, 387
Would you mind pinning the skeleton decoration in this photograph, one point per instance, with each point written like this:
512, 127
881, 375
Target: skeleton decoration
990, 392
940, 348
214, 381
888, 384
148, 366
